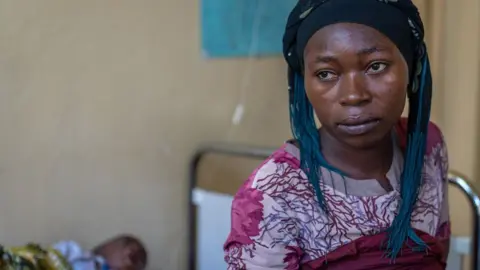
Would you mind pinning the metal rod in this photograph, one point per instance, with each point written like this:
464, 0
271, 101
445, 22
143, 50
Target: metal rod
263, 153
214, 148
461, 183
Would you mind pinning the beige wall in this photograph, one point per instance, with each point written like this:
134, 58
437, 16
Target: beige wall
102, 102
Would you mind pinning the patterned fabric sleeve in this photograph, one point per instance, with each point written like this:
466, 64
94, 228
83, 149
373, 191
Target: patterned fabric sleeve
261, 235
443, 231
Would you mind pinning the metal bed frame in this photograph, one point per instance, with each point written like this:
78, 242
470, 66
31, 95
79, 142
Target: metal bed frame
260, 153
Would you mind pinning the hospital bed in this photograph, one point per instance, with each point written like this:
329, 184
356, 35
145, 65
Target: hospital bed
209, 214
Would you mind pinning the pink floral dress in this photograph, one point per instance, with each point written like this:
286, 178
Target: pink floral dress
277, 222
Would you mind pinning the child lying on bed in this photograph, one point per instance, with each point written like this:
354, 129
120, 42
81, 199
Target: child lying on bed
123, 252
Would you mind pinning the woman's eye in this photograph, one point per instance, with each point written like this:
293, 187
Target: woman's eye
326, 75
376, 68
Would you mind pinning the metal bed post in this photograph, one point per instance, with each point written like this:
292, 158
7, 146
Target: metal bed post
474, 200
262, 153
218, 148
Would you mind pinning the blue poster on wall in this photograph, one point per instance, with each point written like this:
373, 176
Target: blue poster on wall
241, 28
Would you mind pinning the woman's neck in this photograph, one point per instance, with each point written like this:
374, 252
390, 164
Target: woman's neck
368, 163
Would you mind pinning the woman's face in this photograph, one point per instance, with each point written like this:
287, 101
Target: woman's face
356, 79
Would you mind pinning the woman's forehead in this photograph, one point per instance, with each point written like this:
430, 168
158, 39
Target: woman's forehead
348, 37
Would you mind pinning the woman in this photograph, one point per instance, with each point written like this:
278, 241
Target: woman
368, 189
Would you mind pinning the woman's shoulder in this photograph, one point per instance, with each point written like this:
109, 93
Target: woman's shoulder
277, 173
434, 136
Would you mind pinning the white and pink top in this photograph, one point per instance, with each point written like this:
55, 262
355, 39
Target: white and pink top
277, 222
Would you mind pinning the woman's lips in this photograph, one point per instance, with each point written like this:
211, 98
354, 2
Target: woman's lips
358, 126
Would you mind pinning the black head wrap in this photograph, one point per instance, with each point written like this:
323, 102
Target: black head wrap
400, 21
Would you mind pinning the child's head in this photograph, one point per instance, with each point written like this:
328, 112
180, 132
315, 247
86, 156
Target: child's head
124, 252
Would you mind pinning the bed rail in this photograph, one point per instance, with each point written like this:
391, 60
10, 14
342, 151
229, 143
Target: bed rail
468, 190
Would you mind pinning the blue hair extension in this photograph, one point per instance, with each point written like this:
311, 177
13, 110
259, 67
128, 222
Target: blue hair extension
305, 132
412, 178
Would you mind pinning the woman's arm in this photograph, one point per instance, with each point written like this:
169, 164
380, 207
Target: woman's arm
262, 234
443, 230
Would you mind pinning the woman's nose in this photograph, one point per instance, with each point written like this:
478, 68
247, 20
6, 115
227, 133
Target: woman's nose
353, 91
